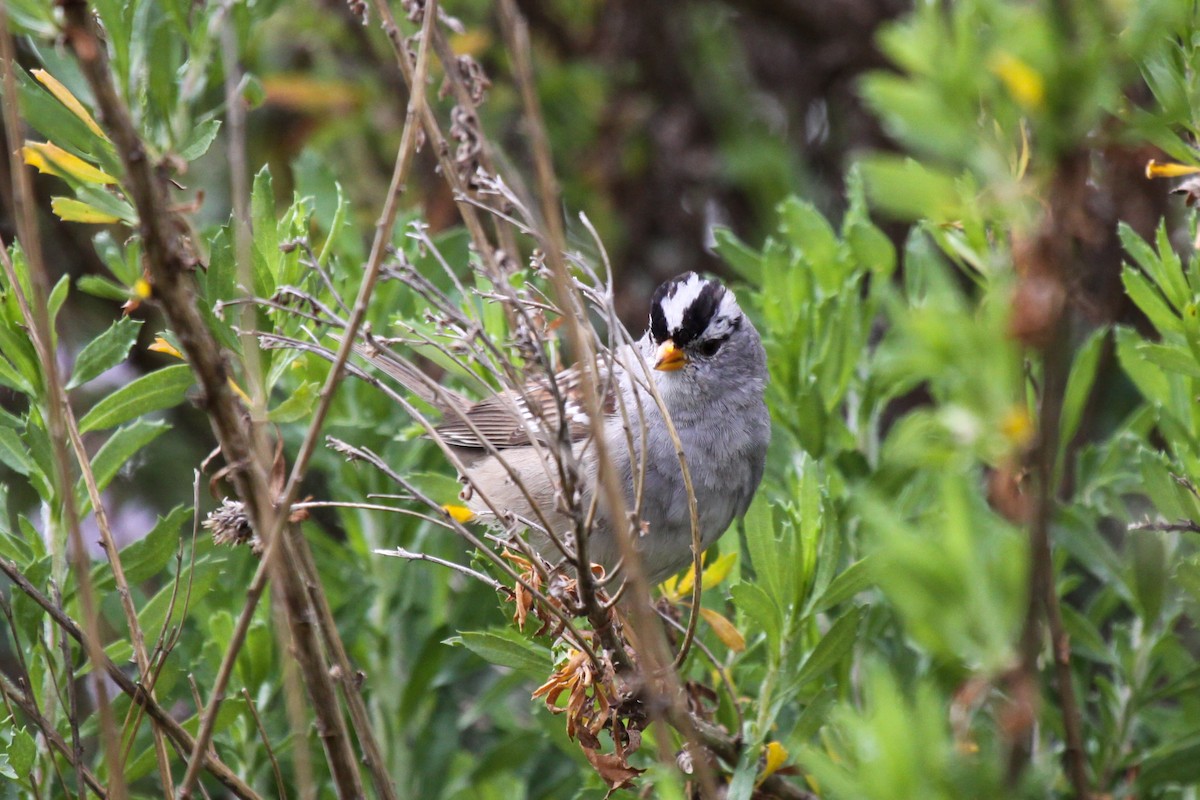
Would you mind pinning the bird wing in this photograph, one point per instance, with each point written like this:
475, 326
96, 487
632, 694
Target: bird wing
509, 418
516, 419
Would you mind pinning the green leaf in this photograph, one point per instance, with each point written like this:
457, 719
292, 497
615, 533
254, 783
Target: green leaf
27, 612
852, 580
917, 113
910, 190
100, 199
55, 122
507, 649
871, 248
37, 443
18, 350
13, 547
162, 388
118, 450
741, 787
813, 237
737, 254
1079, 384
252, 90
1149, 379
298, 405
21, 752
14, 454
1086, 639
149, 555
810, 417
437, 486
1178, 761
1150, 301
1166, 276
34, 17
815, 714
266, 233
105, 351
1171, 357
203, 575
834, 645
200, 140
763, 545
759, 608
99, 286
1150, 575
12, 379
58, 296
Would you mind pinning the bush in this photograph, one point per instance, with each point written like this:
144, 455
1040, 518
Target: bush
970, 571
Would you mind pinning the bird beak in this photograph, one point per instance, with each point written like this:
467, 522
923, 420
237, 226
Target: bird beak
669, 357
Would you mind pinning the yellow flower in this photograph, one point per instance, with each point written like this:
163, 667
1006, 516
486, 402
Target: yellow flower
1169, 170
775, 756
1023, 82
679, 586
460, 514
161, 345
1017, 427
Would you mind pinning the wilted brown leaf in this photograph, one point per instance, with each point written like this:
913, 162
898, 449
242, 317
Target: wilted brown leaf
612, 769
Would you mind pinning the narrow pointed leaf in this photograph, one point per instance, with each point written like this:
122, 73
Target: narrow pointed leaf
160, 389
105, 351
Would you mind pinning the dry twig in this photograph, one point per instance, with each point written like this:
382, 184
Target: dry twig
176, 732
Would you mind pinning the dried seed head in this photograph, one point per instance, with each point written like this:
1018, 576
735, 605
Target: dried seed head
230, 525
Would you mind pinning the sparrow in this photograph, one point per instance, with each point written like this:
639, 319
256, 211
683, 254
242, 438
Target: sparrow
709, 368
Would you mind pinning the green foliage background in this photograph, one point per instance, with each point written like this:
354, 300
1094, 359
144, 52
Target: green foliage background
884, 572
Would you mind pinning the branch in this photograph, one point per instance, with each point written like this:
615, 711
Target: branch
176, 732
1043, 266
262, 734
306, 648
1182, 526
28, 706
41, 331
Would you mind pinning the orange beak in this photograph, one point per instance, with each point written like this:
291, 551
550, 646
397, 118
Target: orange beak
669, 357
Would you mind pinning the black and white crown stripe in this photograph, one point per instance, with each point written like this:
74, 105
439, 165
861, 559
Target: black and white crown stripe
691, 307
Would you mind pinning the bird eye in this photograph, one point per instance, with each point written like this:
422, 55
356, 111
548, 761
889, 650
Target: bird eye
709, 348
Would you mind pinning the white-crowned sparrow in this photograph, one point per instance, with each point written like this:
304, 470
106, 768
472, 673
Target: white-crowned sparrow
710, 370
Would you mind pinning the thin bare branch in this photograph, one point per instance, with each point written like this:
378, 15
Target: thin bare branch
1050, 259
280, 786
309, 657
35, 312
1181, 526
105, 665
400, 552
24, 701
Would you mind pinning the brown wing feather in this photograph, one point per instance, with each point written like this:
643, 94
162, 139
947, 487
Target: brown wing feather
503, 420
507, 419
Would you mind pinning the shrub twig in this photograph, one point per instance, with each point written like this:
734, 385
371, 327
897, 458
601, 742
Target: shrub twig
1048, 258
24, 700
160, 716
35, 312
